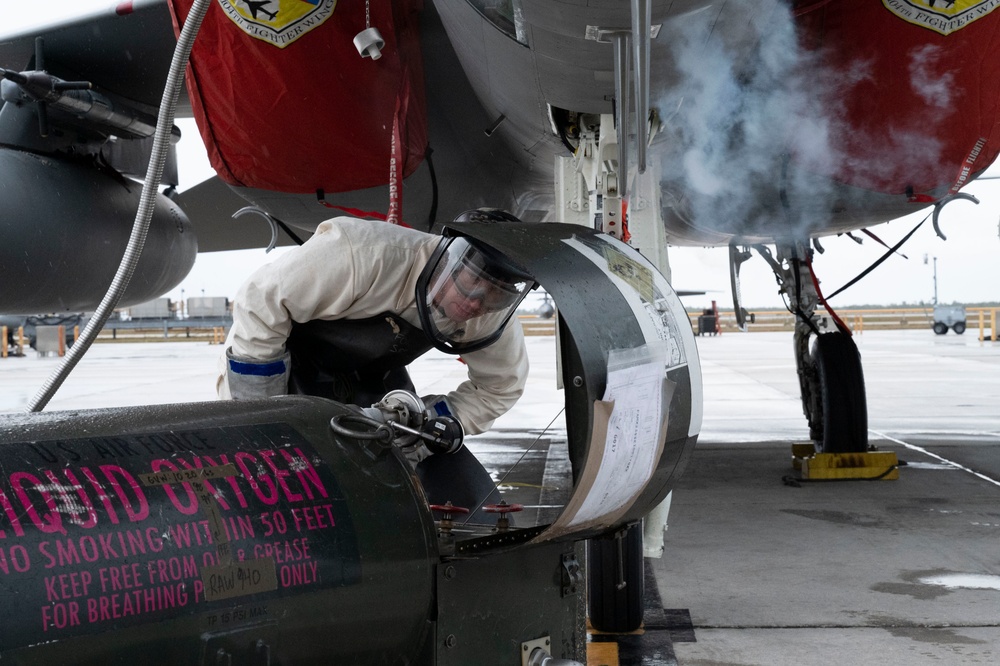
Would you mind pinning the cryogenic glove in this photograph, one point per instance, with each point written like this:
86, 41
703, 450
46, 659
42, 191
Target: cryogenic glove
447, 433
250, 379
416, 452
436, 405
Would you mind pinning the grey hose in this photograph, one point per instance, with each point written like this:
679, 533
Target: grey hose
147, 202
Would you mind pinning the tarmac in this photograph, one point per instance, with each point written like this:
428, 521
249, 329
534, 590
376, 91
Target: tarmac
758, 569
848, 572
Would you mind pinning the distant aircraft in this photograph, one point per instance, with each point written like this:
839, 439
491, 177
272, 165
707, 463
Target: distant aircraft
741, 124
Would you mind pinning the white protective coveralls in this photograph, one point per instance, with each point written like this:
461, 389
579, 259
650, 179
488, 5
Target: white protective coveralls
358, 269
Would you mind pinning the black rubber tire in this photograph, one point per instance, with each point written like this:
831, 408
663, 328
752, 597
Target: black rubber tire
842, 385
958, 327
611, 609
940, 328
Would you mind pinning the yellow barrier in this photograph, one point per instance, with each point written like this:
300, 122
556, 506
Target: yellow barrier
535, 325
5, 342
993, 324
858, 319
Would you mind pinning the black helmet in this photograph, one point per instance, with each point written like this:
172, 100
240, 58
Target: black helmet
486, 215
469, 290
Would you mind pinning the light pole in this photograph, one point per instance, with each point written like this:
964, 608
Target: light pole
935, 278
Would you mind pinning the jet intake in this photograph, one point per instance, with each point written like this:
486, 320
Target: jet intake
61, 250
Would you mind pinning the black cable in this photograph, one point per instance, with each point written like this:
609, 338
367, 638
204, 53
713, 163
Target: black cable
565, 142
291, 234
885, 256
432, 216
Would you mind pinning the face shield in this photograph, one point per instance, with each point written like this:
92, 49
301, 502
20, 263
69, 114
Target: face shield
467, 293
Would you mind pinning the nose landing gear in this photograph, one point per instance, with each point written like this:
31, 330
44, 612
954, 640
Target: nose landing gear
837, 410
831, 379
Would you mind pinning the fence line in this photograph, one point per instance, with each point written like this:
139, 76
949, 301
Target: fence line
859, 320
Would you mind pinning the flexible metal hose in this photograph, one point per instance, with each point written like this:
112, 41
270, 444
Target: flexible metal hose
147, 202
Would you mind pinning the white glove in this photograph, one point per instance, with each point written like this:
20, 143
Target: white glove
250, 379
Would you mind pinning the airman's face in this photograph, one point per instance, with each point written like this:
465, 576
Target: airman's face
467, 296
458, 306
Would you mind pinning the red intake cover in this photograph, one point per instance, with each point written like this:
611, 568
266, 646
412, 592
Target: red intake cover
917, 89
311, 113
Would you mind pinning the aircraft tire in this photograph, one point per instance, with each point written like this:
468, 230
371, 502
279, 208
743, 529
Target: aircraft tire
940, 328
842, 389
959, 327
611, 609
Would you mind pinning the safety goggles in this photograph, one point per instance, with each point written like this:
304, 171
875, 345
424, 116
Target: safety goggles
492, 294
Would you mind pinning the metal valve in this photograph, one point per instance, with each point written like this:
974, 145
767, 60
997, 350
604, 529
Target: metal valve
448, 511
503, 522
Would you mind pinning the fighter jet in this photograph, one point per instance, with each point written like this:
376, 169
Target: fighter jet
753, 125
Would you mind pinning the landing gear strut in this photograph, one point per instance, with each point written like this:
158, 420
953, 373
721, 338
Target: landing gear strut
831, 379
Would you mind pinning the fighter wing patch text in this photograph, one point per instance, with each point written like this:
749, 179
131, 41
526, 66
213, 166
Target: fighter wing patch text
278, 22
943, 16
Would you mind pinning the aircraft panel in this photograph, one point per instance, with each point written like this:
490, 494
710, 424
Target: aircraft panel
466, 30
515, 88
565, 18
575, 73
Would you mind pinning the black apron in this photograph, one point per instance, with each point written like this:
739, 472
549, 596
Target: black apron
354, 361
358, 361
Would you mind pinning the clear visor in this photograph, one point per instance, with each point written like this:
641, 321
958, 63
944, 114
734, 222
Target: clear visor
468, 298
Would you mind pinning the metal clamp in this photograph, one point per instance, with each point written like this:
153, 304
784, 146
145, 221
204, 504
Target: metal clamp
572, 574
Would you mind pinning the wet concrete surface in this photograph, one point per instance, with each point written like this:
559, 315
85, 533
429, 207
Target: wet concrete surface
863, 572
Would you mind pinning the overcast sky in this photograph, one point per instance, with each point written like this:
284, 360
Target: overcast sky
968, 263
